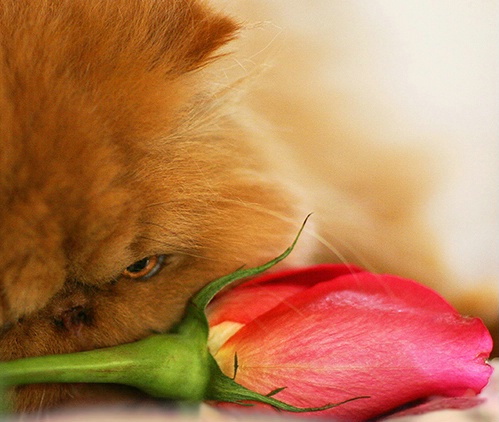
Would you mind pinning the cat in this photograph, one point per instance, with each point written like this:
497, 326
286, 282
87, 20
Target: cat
132, 173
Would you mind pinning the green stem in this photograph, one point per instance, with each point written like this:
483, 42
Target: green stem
162, 365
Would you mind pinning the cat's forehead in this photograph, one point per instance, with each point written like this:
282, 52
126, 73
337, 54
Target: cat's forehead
59, 167
48, 144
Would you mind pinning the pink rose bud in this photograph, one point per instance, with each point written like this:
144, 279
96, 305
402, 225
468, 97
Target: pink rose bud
331, 333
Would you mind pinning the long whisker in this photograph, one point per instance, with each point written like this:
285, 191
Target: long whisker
309, 231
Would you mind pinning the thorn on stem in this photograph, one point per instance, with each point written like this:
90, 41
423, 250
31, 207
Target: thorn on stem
236, 366
276, 391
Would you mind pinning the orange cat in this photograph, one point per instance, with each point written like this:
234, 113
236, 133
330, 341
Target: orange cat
131, 175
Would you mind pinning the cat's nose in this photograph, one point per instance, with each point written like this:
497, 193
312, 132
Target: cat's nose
74, 319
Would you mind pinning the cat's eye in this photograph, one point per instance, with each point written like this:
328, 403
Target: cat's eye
145, 268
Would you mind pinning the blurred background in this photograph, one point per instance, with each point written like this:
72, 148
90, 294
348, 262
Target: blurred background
416, 73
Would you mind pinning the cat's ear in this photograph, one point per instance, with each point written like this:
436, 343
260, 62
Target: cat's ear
171, 36
186, 35
200, 34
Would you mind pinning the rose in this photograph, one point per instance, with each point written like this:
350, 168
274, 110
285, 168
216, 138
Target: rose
334, 332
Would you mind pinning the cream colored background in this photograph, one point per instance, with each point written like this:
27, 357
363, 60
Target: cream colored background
417, 72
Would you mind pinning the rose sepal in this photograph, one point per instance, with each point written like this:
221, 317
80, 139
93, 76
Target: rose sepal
224, 389
221, 387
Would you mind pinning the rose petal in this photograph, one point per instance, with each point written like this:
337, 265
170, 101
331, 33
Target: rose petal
247, 301
361, 334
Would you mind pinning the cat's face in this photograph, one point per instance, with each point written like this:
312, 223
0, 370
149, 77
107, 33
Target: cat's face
125, 184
